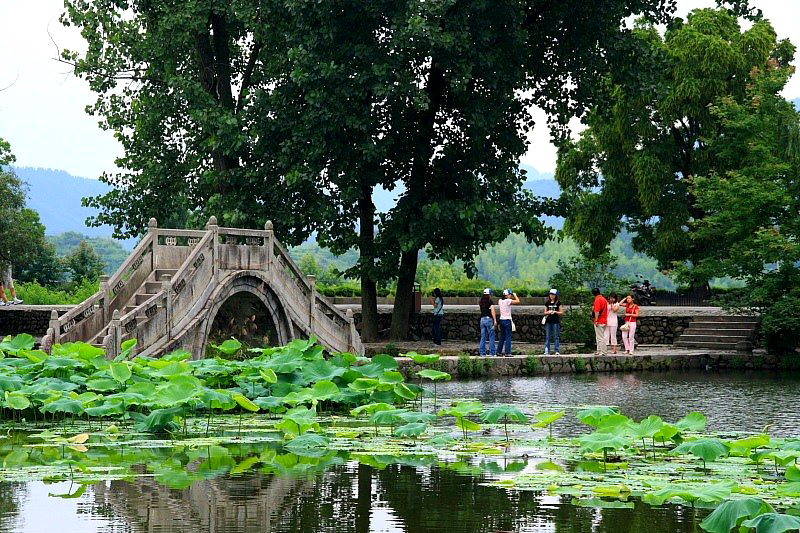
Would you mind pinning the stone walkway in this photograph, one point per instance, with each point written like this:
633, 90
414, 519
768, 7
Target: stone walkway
522, 349
657, 310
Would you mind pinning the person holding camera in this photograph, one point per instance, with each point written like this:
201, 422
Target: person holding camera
506, 323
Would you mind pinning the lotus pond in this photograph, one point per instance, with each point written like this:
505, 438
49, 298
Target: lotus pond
294, 440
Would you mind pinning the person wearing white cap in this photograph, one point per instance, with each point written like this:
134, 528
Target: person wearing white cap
552, 322
506, 325
488, 323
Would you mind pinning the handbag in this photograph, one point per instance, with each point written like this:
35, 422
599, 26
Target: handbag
513, 326
625, 327
544, 320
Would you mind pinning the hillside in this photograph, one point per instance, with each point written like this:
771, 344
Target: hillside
56, 195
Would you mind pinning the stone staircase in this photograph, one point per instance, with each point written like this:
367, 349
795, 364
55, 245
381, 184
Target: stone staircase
725, 332
147, 290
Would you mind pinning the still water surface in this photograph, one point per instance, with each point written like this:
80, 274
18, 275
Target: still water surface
353, 497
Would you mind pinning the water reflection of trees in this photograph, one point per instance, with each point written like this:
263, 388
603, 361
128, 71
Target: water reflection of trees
10, 496
421, 500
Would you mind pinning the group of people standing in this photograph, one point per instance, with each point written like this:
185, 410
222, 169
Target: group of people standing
496, 321
605, 315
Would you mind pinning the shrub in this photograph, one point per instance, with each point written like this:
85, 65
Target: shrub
34, 294
391, 349
577, 326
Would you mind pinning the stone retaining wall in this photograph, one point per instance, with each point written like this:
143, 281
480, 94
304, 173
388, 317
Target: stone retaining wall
464, 326
476, 367
32, 319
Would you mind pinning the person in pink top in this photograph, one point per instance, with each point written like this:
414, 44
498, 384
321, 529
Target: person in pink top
631, 318
612, 322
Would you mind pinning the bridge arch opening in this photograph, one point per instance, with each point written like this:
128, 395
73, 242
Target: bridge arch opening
245, 317
247, 308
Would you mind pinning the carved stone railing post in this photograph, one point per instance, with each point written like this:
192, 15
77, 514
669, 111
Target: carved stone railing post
213, 227
312, 301
152, 228
269, 244
166, 285
55, 326
104, 290
351, 331
115, 331
47, 341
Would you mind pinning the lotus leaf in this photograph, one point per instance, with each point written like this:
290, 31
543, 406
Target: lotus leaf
120, 371
392, 376
708, 450
377, 366
371, 408
404, 391
593, 415
773, 523
229, 347
692, 422
545, 418
434, 375
423, 359
244, 402
63, 405
731, 513
19, 342
307, 441
707, 493
412, 429
505, 413
602, 441
17, 400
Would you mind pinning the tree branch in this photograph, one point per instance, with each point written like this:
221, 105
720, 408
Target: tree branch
247, 75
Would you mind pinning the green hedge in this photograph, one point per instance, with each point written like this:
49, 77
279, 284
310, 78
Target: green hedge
34, 294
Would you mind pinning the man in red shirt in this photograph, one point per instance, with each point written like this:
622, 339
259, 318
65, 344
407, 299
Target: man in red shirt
600, 316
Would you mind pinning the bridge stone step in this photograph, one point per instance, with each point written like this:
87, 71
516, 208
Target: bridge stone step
159, 272
724, 325
152, 287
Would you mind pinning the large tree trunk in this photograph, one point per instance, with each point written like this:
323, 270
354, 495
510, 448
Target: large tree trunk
416, 197
404, 296
366, 246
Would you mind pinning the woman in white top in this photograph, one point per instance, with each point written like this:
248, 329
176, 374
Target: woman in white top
612, 322
509, 299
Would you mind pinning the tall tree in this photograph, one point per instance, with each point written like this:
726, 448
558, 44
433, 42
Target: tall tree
751, 199
296, 111
634, 165
84, 264
183, 86
22, 241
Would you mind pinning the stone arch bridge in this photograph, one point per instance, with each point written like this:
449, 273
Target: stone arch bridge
169, 291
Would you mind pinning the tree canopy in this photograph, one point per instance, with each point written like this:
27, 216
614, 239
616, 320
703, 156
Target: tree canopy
635, 165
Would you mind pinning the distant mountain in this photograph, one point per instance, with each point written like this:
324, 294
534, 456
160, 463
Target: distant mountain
56, 195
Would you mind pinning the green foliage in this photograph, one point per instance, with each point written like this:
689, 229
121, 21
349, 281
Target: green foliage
731, 513
773, 523
706, 493
577, 326
706, 449
84, 264
109, 250
35, 294
472, 367
582, 272
635, 166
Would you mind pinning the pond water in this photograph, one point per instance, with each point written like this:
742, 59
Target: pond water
346, 495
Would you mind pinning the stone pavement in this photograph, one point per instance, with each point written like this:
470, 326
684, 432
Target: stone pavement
656, 310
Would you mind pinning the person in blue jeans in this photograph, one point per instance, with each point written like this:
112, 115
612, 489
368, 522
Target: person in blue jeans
506, 325
552, 321
488, 323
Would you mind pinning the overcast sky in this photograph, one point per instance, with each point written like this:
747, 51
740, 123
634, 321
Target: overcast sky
42, 112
